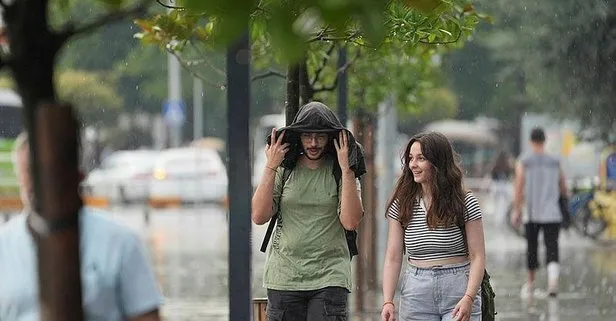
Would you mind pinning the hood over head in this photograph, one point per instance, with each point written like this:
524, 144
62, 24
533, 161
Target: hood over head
316, 117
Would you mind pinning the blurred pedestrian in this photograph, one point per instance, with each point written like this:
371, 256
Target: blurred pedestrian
117, 280
500, 186
539, 184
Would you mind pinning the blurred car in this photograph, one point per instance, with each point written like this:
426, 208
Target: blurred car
123, 177
188, 175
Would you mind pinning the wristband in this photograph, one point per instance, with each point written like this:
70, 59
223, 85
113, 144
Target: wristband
470, 297
270, 168
389, 302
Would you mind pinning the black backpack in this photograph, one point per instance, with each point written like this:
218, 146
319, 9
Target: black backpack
351, 236
488, 307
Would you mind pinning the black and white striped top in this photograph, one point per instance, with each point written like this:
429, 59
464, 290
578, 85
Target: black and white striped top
423, 243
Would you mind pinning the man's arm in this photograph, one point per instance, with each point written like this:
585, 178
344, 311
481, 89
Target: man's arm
562, 183
519, 187
351, 209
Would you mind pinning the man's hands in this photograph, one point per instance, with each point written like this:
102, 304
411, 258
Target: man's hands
342, 149
275, 151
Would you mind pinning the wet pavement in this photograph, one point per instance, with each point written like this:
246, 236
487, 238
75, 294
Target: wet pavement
189, 248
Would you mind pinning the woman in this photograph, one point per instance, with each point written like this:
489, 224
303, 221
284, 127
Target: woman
501, 186
427, 213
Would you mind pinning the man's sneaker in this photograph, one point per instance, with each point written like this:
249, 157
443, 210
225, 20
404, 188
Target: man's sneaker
526, 291
553, 289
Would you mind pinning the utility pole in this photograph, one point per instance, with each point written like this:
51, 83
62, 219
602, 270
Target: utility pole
240, 188
174, 99
197, 108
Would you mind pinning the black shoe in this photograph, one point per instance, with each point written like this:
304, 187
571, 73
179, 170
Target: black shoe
553, 294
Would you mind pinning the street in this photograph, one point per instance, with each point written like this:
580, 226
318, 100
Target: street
189, 247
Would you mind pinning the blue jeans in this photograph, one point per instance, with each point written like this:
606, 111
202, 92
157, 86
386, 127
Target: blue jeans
328, 304
431, 294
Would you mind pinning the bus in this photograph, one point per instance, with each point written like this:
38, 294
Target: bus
475, 141
10, 127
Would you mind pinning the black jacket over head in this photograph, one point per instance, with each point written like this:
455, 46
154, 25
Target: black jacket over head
316, 117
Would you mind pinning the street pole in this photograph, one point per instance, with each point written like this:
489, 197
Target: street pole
174, 95
197, 108
385, 152
342, 86
240, 188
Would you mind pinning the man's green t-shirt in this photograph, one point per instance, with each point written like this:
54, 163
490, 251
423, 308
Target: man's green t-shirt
308, 249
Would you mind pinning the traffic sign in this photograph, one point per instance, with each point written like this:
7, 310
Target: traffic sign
173, 112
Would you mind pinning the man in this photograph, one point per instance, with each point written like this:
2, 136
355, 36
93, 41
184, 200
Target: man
117, 280
539, 182
308, 270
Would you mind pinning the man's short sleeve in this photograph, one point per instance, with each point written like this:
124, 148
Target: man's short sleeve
138, 290
277, 193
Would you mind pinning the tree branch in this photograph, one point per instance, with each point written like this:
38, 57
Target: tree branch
69, 30
168, 6
338, 73
206, 60
318, 72
442, 42
184, 65
269, 73
321, 37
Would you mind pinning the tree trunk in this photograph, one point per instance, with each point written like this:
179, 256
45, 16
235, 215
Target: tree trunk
33, 50
305, 88
293, 93
360, 262
521, 104
364, 127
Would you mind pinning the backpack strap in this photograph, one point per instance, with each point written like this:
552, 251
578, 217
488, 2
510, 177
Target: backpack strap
272, 223
351, 236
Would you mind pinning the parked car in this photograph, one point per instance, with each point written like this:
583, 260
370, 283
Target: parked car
123, 177
188, 175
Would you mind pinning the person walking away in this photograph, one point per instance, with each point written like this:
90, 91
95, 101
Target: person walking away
501, 187
539, 182
438, 223
308, 268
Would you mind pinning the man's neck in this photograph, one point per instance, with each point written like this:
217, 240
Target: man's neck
538, 148
312, 163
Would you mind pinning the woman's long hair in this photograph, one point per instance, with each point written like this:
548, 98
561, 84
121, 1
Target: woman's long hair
501, 163
447, 207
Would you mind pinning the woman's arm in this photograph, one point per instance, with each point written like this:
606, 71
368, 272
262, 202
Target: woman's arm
393, 259
476, 253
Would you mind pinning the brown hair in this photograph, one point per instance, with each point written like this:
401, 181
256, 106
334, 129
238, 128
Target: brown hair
447, 208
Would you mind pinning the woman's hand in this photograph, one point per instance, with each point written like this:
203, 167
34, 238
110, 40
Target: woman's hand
342, 149
388, 313
275, 151
463, 309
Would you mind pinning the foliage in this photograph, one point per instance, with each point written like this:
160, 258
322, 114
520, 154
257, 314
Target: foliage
400, 61
556, 56
95, 97
92, 94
